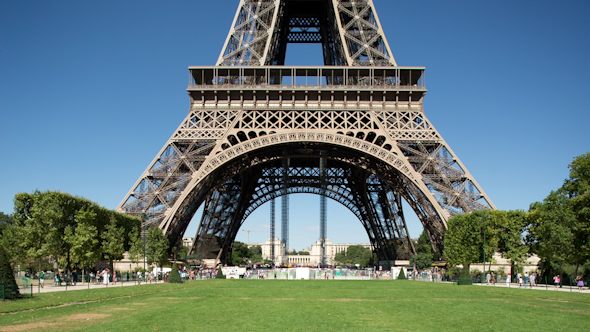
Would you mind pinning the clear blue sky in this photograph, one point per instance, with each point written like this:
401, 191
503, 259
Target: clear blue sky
91, 90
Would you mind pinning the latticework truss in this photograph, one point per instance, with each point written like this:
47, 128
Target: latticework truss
364, 39
350, 32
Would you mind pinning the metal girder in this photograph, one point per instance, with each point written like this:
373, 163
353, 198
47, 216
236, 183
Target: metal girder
349, 31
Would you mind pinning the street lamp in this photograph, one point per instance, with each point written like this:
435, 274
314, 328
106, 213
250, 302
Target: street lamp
484, 244
143, 234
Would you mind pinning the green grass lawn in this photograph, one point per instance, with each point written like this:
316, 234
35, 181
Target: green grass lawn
282, 305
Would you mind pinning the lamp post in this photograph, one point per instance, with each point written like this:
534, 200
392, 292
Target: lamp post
484, 244
143, 231
143, 222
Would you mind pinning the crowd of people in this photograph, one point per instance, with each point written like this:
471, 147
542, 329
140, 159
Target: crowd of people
106, 277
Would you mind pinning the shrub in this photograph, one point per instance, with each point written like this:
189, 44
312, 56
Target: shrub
174, 277
219, 274
401, 275
464, 277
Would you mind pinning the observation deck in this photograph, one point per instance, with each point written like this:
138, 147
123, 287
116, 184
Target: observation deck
306, 87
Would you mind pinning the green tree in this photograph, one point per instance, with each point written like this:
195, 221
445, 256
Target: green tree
157, 247
256, 250
83, 239
356, 254
464, 239
46, 223
560, 225
240, 253
182, 252
510, 229
421, 261
13, 244
424, 254
113, 242
577, 189
136, 250
5, 221
7, 276
256, 259
174, 276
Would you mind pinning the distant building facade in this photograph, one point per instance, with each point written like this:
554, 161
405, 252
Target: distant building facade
187, 241
314, 257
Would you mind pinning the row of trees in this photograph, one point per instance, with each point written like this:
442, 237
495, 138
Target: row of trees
557, 229
75, 231
356, 254
242, 255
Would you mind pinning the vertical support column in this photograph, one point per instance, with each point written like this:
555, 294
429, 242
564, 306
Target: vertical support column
272, 231
323, 211
285, 210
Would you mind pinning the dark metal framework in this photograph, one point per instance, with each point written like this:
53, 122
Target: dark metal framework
323, 231
285, 206
272, 230
256, 131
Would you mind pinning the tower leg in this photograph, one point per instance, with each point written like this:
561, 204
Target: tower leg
285, 210
272, 231
323, 211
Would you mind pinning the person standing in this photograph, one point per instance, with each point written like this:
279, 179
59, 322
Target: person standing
508, 279
533, 279
74, 277
580, 281
105, 277
42, 279
139, 277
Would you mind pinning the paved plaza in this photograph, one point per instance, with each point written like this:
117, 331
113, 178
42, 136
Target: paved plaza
50, 287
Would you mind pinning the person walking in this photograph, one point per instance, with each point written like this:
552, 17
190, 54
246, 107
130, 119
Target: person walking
556, 282
74, 277
533, 280
42, 279
580, 281
139, 277
508, 279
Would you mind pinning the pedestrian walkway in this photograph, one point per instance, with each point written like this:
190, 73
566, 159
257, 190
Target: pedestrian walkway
49, 287
564, 288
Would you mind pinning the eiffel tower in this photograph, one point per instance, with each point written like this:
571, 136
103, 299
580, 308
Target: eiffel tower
257, 130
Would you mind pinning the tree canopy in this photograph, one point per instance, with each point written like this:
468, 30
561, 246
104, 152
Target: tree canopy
356, 254
560, 225
424, 254
556, 229
5, 221
156, 247
69, 228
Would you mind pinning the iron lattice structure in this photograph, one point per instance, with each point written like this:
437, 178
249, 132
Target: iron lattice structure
353, 130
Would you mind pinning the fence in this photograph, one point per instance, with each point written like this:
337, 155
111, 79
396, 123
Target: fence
315, 274
10, 292
539, 283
